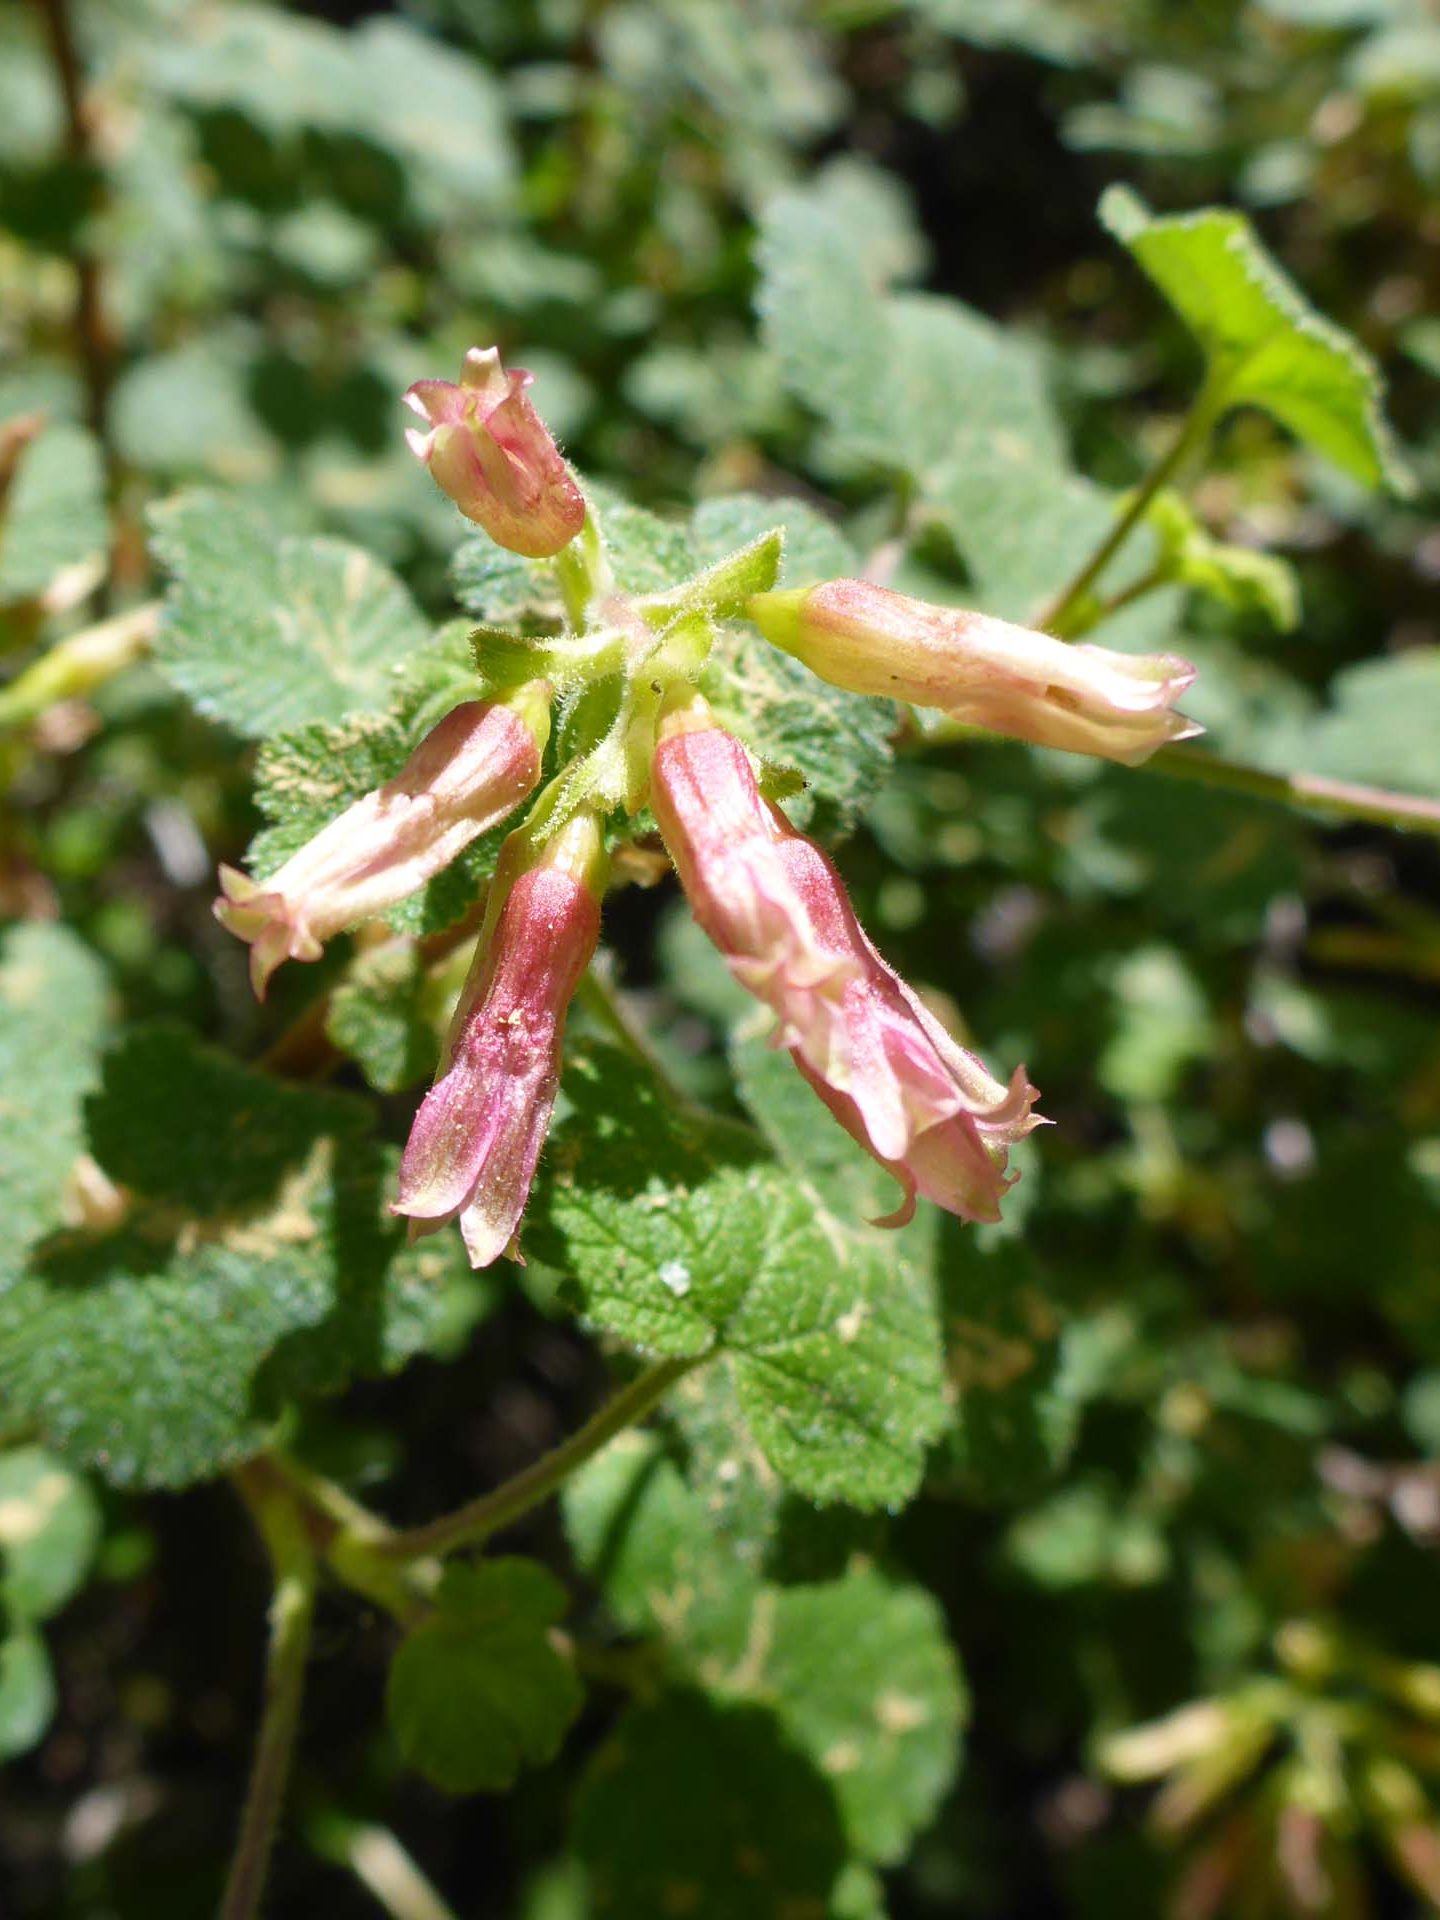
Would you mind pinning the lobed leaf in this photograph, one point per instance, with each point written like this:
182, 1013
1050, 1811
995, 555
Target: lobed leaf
684, 1239
857, 1669
259, 1261
479, 1691
1264, 344
706, 1810
266, 633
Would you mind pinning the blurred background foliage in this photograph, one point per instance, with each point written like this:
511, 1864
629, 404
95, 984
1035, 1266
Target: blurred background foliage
1196, 1459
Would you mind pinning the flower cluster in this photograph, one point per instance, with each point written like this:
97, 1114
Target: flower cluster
771, 900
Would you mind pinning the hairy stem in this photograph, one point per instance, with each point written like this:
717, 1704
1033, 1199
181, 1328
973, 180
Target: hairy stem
1311, 790
1060, 613
291, 1614
350, 1539
472, 1524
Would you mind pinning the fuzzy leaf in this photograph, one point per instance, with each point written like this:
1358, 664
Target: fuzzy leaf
1264, 344
266, 632
259, 1261
646, 554
901, 381
1383, 725
857, 1669
504, 588
722, 588
383, 1015
707, 1811
52, 1006
685, 1239
478, 1691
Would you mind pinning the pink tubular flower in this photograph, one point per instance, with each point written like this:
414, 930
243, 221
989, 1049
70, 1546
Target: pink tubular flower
477, 1137
982, 671
775, 906
491, 452
467, 773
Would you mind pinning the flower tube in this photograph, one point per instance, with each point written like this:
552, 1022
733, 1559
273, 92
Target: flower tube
491, 452
925, 1108
476, 1140
467, 773
982, 671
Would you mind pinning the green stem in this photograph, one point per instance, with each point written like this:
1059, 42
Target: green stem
1148, 583
583, 572
352, 1541
472, 1524
292, 1612
1059, 614
1311, 790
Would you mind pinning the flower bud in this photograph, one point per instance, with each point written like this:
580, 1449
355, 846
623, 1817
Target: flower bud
491, 452
775, 906
467, 773
477, 1137
983, 672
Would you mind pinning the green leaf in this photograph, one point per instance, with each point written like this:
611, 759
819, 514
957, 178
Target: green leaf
478, 1691
706, 1811
902, 382
815, 548
722, 589
438, 117
652, 1543
187, 411
1015, 1411
53, 521
385, 1014
684, 1239
49, 1527
267, 632
1023, 523
857, 1669
646, 554
503, 588
861, 1676
1383, 725
1264, 344
259, 1261
27, 1692
443, 119
52, 1010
